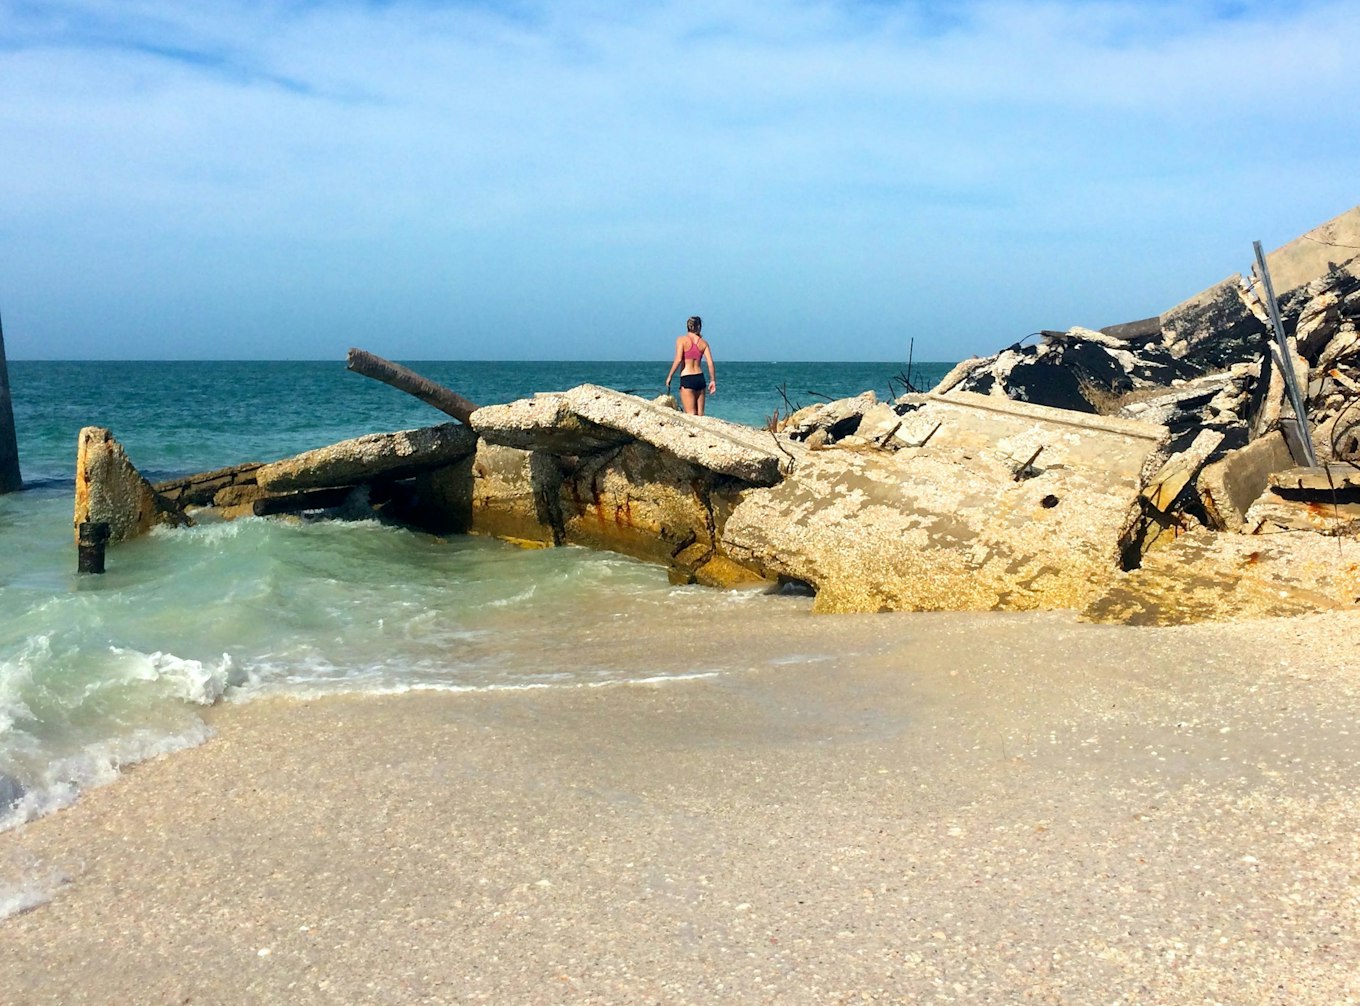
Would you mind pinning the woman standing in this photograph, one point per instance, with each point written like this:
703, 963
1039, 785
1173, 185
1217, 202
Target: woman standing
690, 348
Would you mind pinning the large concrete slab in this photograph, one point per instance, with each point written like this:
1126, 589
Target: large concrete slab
1006, 506
363, 459
1313, 254
543, 423
1208, 577
739, 451
963, 424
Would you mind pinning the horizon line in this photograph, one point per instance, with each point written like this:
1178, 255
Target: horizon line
266, 359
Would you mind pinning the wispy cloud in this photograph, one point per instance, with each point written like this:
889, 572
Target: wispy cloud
784, 161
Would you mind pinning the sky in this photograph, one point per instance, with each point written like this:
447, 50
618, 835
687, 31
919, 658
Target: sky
818, 179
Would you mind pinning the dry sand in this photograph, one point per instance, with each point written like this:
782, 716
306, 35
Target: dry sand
969, 809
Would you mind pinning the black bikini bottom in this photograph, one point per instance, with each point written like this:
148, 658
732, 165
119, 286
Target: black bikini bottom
695, 382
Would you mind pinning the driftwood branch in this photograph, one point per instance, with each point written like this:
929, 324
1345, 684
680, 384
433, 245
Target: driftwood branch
448, 402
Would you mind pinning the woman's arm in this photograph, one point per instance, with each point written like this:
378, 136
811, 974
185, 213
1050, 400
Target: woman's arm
679, 355
712, 370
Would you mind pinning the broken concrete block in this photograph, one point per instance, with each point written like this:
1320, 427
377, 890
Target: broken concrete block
363, 459
1318, 323
544, 423
960, 372
1214, 328
1273, 514
1183, 403
1008, 506
1205, 576
1230, 485
643, 502
837, 419
879, 423
203, 488
498, 491
1316, 253
1165, 486
110, 490
1081, 369
1318, 482
726, 448
1344, 344
1221, 326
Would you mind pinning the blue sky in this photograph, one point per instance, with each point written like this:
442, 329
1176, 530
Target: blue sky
526, 180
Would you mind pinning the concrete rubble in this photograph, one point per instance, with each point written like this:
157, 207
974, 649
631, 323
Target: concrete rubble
1147, 471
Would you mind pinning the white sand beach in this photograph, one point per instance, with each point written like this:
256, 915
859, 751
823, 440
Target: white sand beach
962, 809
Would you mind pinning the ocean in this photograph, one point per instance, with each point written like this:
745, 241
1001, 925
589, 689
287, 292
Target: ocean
100, 672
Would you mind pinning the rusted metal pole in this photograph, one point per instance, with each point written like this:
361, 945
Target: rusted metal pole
448, 402
92, 537
1024, 471
10, 480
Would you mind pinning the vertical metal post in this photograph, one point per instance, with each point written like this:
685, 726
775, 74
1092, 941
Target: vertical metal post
1291, 380
10, 481
92, 537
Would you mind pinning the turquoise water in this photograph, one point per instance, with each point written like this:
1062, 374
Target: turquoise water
98, 672
188, 416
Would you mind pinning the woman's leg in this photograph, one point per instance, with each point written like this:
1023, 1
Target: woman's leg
687, 400
699, 402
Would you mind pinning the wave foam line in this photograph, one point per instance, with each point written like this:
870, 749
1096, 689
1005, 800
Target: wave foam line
335, 689
95, 765
29, 894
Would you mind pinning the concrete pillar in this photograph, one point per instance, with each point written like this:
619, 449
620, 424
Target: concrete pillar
9, 442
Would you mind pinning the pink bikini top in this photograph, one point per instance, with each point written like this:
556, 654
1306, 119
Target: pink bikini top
695, 350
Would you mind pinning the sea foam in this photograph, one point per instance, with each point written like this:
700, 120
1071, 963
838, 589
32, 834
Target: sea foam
15, 899
183, 678
61, 781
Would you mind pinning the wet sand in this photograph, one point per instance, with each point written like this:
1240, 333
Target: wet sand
967, 809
